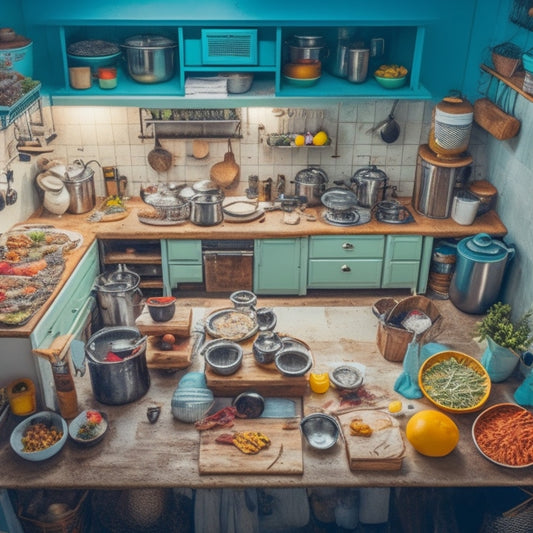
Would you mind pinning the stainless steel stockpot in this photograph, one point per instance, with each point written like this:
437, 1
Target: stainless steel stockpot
311, 183
206, 209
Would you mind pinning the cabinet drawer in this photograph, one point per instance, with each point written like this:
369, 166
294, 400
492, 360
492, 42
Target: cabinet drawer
340, 273
349, 247
185, 274
186, 250
403, 247
62, 313
400, 275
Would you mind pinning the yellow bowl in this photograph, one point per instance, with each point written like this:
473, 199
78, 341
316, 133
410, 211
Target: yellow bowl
432, 394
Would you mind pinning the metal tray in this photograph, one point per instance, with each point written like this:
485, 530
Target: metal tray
248, 330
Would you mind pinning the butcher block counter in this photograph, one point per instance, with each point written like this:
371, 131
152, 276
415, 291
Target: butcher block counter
168, 453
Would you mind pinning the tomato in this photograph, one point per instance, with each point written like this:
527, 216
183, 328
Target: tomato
319, 383
168, 338
432, 433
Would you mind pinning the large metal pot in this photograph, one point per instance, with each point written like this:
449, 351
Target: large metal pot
435, 181
311, 183
479, 269
119, 297
116, 382
150, 58
206, 209
370, 185
79, 182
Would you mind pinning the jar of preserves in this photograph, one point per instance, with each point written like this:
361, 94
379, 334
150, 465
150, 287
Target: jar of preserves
451, 126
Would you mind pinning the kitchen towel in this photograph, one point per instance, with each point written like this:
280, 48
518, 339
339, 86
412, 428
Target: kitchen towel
212, 87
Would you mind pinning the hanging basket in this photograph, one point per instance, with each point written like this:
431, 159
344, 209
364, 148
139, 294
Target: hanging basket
506, 58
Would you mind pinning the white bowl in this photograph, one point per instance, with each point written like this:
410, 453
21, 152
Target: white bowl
50, 419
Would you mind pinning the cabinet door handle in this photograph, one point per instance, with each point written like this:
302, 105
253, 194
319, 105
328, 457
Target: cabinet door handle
345, 268
347, 246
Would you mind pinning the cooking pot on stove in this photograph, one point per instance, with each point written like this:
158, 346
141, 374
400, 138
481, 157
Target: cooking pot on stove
369, 184
206, 209
311, 183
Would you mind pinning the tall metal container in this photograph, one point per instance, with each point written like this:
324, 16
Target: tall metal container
479, 270
435, 182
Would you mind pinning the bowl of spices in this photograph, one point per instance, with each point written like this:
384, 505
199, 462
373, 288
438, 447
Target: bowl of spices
471, 382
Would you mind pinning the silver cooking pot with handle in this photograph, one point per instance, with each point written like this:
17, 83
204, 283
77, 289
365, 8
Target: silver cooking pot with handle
206, 209
311, 183
370, 185
79, 182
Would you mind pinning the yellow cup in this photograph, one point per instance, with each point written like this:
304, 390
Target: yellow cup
21, 396
319, 383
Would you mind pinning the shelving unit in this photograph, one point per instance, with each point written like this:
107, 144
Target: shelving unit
515, 82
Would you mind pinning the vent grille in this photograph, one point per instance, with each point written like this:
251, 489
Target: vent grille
229, 47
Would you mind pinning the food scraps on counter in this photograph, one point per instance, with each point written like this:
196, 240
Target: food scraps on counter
248, 442
222, 418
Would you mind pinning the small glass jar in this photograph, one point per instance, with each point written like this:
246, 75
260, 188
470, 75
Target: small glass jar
107, 77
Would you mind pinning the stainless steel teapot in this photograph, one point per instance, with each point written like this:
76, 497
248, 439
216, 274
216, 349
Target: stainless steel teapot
369, 184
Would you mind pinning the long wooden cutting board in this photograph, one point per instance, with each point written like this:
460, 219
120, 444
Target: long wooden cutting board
217, 458
179, 324
383, 450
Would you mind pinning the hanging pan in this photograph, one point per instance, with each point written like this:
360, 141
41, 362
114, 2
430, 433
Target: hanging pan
226, 172
159, 158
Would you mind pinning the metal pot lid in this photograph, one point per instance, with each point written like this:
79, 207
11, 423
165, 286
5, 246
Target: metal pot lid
206, 186
149, 41
371, 172
482, 247
249, 404
311, 176
339, 198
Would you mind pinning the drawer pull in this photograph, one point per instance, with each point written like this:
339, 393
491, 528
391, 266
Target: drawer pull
345, 268
347, 246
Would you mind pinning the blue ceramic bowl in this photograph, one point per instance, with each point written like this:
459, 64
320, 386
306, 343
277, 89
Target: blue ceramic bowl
49, 418
301, 82
95, 62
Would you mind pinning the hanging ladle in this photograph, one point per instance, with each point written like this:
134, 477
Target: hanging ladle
391, 129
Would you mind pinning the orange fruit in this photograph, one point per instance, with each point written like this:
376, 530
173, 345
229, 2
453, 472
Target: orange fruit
432, 433
299, 140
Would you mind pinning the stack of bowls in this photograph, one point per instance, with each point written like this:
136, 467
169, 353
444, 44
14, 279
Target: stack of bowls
305, 66
192, 399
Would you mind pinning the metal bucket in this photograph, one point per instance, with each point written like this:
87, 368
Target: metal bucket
121, 381
119, 298
81, 190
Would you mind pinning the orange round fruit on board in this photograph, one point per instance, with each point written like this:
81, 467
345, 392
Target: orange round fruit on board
432, 433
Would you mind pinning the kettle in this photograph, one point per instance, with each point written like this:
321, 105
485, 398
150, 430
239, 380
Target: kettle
369, 184
480, 266
79, 181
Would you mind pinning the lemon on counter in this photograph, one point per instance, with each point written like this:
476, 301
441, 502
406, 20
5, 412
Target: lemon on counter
299, 140
320, 138
395, 406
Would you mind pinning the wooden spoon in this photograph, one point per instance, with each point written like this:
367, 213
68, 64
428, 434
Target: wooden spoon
159, 158
226, 172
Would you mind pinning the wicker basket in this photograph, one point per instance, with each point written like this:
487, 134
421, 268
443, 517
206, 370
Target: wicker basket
392, 338
506, 58
71, 522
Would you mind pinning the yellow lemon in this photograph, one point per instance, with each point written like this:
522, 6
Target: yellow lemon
299, 140
320, 139
395, 406
432, 433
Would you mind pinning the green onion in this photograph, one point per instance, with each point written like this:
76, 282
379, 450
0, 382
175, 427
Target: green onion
453, 384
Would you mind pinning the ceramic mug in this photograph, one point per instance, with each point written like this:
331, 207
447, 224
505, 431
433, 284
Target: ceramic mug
464, 209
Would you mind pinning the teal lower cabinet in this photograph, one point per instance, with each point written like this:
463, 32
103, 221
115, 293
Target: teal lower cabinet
345, 262
181, 263
280, 266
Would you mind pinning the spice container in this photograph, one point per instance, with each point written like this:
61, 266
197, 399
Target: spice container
107, 77
21, 396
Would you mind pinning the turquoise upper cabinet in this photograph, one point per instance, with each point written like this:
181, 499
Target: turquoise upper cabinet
430, 38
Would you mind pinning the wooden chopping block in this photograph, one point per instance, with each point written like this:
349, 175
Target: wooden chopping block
200, 149
179, 324
283, 456
494, 120
383, 450
178, 357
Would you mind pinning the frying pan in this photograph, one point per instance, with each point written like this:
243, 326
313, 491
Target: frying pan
159, 158
227, 171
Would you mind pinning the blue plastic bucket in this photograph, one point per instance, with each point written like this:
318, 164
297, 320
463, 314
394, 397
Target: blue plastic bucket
18, 59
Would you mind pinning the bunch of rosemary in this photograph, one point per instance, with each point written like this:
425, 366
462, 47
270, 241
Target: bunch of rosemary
498, 325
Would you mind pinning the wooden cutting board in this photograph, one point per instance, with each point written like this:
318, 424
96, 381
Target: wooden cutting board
179, 324
217, 458
383, 450
178, 357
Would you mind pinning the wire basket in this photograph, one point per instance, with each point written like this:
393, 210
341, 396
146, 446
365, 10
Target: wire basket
506, 58
8, 114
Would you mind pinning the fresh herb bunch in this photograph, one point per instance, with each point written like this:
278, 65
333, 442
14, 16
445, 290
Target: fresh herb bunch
498, 325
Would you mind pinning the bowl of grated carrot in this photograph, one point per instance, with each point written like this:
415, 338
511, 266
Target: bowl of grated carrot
503, 433
471, 382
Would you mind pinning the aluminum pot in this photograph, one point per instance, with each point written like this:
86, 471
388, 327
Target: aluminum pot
370, 185
123, 380
206, 209
311, 183
151, 58
119, 297
79, 182
479, 270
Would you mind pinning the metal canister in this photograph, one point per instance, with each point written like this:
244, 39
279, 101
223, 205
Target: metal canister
441, 269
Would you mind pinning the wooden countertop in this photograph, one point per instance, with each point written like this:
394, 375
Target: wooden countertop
135, 453
269, 226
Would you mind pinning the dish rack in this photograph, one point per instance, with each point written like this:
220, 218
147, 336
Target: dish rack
8, 114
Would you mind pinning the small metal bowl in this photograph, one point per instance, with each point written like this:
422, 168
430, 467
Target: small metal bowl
224, 357
249, 404
265, 347
293, 362
161, 308
321, 431
346, 377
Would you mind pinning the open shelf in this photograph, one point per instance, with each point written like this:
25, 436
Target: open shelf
515, 82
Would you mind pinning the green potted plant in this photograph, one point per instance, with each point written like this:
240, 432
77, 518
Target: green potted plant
505, 339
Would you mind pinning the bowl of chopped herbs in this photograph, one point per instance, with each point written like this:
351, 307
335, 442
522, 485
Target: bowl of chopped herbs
454, 382
88, 428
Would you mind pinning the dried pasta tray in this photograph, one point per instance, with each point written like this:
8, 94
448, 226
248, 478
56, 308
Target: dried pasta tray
8, 114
